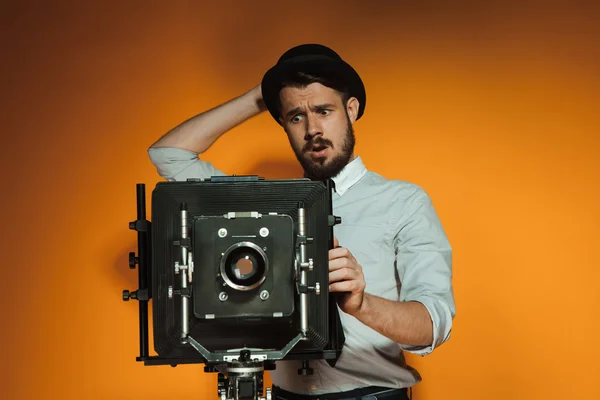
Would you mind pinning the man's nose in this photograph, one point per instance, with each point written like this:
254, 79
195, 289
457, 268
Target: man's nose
313, 128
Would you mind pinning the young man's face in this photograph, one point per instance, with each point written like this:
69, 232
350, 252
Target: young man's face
319, 128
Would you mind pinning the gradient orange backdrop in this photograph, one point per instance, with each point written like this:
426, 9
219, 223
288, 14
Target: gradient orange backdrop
493, 109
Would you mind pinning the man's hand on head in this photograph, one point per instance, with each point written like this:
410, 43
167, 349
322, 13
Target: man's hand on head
346, 276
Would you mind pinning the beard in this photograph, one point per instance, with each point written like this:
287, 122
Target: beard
323, 169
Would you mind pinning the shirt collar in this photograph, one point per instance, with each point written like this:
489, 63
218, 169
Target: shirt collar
351, 174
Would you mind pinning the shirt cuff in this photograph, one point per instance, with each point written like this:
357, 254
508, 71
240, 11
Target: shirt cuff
441, 317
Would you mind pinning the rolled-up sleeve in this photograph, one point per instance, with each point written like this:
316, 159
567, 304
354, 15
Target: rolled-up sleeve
175, 164
424, 262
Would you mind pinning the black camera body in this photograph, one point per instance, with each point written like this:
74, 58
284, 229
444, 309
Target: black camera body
237, 271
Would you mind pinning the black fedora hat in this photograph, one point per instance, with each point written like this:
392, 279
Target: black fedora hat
313, 59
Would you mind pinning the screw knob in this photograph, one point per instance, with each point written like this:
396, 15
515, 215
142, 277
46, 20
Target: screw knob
133, 260
129, 295
305, 370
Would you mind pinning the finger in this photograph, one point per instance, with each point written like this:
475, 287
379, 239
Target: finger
340, 252
340, 263
344, 286
343, 274
336, 242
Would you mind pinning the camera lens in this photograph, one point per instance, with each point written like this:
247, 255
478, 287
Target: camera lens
244, 266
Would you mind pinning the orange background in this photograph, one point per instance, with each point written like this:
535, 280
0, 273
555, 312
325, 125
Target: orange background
492, 108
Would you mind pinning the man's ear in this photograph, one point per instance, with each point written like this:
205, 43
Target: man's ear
352, 107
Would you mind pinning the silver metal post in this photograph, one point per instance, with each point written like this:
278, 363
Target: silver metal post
184, 281
303, 273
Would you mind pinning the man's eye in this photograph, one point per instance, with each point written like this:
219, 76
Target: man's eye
296, 118
325, 112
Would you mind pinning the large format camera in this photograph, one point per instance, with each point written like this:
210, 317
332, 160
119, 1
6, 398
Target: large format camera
237, 271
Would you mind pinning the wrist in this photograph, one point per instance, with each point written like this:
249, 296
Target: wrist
255, 96
364, 308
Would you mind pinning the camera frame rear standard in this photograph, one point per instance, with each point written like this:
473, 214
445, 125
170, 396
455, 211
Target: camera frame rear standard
240, 367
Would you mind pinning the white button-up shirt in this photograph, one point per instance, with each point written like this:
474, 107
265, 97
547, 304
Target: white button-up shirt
393, 231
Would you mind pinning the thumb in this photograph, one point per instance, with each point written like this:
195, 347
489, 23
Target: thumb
336, 242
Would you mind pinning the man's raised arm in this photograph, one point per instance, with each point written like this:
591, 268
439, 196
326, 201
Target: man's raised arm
175, 154
198, 133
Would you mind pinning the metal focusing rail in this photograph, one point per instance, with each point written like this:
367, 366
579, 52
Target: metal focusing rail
186, 271
304, 265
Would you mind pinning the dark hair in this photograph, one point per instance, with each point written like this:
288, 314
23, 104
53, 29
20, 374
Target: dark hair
302, 79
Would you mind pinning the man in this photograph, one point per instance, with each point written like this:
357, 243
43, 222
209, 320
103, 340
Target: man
392, 260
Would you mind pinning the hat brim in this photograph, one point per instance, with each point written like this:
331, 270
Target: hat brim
337, 70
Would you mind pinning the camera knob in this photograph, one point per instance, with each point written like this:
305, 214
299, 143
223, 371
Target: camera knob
133, 260
305, 370
307, 265
317, 288
129, 295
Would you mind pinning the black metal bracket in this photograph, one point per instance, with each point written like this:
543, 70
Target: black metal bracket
144, 293
141, 295
183, 242
186, 292
302, 239
140, 225
229, 178
305, 288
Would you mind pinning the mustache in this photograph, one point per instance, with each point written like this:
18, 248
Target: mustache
318, 141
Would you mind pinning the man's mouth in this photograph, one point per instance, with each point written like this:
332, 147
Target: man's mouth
318, 151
